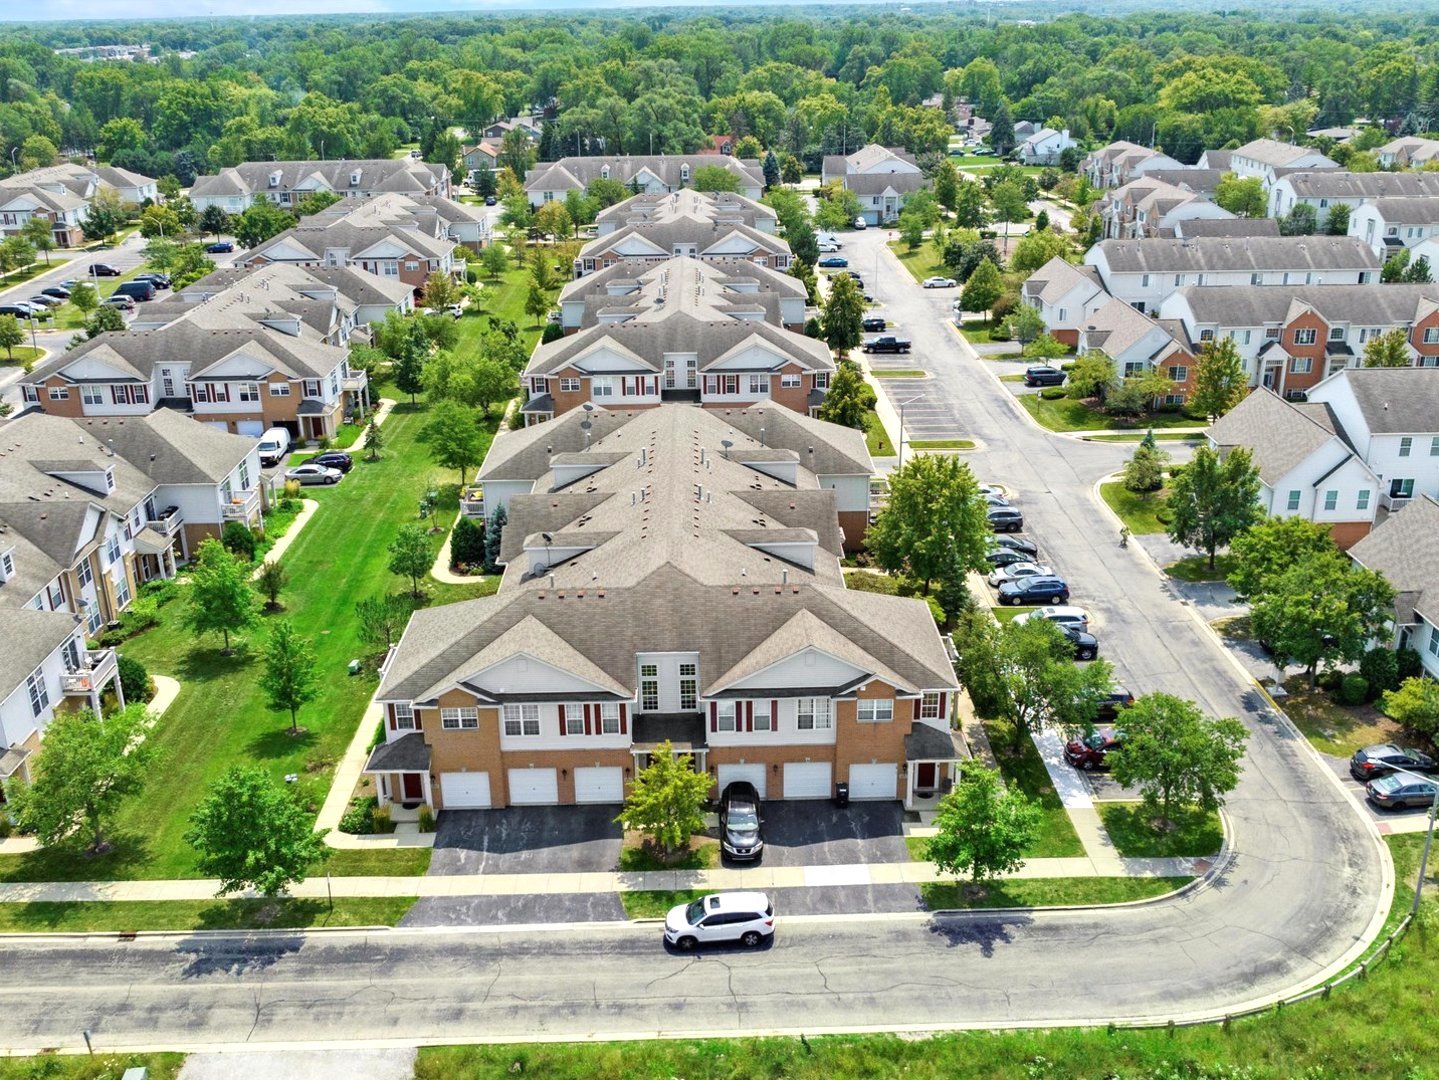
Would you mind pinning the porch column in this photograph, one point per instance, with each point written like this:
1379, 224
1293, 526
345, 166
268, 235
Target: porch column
119, 690
425, 792
95, 701
909, 785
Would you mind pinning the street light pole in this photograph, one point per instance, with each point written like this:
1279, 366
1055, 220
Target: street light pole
1424, 858
900, 444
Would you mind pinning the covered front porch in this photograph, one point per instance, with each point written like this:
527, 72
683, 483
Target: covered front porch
932, 760
402, 775
685, 733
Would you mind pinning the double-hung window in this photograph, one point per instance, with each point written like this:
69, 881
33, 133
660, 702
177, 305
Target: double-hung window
689, 686
610, 719
279, 389
649, 687
814, 714
1293, 503
929, 706
789, 382
112, 550
569, 386
1331, 500
92, 395
876, 711
39, 694
522, 720
249, 391
459, 719
763, 718
404, 717
1406, 446
574, 719
1361, 501
759, 384
725, 716
1305, 335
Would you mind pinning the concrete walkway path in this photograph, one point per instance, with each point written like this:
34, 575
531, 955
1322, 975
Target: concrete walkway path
451, 885
347, 775
303, 1064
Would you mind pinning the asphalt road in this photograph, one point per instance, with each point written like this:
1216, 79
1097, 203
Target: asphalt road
1297, 898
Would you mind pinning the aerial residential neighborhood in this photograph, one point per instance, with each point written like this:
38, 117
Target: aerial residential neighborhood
751, 542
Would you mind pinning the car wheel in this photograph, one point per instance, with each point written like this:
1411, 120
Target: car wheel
333, 480
1087, 765
1064, 598
686, 944
750, 939
1087, 654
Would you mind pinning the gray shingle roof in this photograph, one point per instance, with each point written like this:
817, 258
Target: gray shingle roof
1228, 227
1057, 277
1342, 184
1397, 401
901, 183
30, 636
1260, 305
170, 448
580, 171
1278, 435
1402, 548
687, 203
380, 174
717, 289
408, 753
1254, 253
1272, 152
705, 233
1408, 210
35, 444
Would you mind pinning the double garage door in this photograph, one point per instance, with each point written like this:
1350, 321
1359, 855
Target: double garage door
541, 787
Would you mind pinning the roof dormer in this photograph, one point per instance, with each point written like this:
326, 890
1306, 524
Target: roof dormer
275, 178
354, 177
7, 565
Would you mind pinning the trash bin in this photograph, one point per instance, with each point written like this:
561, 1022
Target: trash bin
841, 794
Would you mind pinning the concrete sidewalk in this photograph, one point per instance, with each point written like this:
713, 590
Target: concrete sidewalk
759, 877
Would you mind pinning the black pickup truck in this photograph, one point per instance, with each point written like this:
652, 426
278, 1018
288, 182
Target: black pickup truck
886, 343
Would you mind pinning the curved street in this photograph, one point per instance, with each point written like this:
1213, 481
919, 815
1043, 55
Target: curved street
1303, 891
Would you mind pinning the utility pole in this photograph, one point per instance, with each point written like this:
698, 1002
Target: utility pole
1424, 858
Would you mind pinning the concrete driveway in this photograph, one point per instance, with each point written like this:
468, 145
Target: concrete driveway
815, 832
527, 840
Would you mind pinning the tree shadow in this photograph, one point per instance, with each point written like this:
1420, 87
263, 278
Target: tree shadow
978, 928
279, 743
127, 853
235, 954
206, 664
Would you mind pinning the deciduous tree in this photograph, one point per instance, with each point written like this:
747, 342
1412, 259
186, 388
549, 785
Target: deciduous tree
1271, 546
382, 619
252, 832
260, 221
1213, 499
441, 291
935, 515
1176, 756
410, 556
495, 259
1144, 471
842, 322
288, 678
849, 398
40, 235
1243, 197
11, 334
667, 800
1388, 350
1220, 381
454, 437
1415, 706
271, 579
982, 830
220, 594
983, 289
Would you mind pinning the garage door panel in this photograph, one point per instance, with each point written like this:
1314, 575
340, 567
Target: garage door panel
879, 781
807, 780
755, 774
534, 787
254, 428
600, 784
465, 790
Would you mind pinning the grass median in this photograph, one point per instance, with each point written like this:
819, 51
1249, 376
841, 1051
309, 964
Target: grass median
1025, 771
1069, 414
1139, 511
1136, 833
126, 916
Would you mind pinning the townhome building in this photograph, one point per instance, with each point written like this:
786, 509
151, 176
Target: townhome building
671, 579
1270, 160
724, 207
1138, 344
1230, 228
1307, 467
1339, 187
91, 509
1149, 207
685, 223
393, 236
741, 288
1145, 272
483, 156
44, 668
239, 361
1044, 146
1292, 339
653, 174
683, 335
1120, 162
1066, 296
1203, 182
1390, 225
1402, 548
286, 183
1408, 152
879, 176
61, 194
336, 302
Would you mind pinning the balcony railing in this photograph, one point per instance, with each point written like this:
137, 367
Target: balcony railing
100, 670
1395, 502
472, 501
242, 505
166, 521
355, 381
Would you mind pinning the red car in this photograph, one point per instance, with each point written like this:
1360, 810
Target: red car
1089, 752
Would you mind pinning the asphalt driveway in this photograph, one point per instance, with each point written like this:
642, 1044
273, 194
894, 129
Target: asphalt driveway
528, 840
818, 833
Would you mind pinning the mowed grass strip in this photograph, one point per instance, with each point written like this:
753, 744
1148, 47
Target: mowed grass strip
126, 916
1140, 512
1136, 834
1025, 771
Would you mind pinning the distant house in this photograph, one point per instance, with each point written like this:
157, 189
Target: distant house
1407, 152
880, 176
1150, 207
286, 183
648, 174
1402, 548
1120, 162
62, 194
650, 229
1044, 146
500, 128
723, 145
480, 157
1270, 160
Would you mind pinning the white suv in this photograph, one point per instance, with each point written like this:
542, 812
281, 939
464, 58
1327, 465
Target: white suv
1065, 615
746, 917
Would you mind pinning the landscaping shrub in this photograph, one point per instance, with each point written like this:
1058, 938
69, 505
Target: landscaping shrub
292, 490
867, 581
517, 420
1068, 365
326, 443
1381, 667
472, 276
427, 819
134, 679
552, 332
467, 543
1410, 666
1052, 393
1354, 690
239, 540
162, 589
380, 819
366, 816
1330, 679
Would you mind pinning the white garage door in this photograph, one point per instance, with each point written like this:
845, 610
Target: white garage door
534, 787
465, 790
223, 425
806, 780
728, 774
253, 428
600, 784
873, 781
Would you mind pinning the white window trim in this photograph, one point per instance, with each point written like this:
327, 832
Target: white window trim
522, 717
404, 717
875, 710
463, 719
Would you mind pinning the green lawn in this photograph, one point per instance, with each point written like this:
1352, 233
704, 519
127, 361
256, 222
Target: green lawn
1334, 728
972, 164
68, 317
1376, 1028
702, 855
876, 438
1131, 827
379, 862
1067, 414
899, 373
1139, 512
941, 444
1017, 377
132, 915
1196, 568
22, 354
220, 717
922, 262
1136, 436
655, 904
97, 1067
980, 332
504, 297
1057, 838
1047, 892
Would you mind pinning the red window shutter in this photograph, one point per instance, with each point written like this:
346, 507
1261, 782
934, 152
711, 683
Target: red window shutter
624, 726
944, 706
916, 706
563, 730
714, 715
587, 721
419, 721
749, 715
774, 715
390, 713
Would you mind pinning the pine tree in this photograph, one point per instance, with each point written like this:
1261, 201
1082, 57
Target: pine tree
493, 537
374, 439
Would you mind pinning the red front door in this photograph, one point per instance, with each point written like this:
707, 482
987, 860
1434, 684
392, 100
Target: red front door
414, 790
924, 776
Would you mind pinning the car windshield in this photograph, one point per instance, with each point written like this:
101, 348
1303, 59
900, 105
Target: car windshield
695, 912
1095, 741
743, 818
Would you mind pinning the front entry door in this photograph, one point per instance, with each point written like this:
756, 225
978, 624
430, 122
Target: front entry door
924, 776
414, 790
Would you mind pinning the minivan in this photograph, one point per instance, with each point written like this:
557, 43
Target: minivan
274, 445
136, 290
